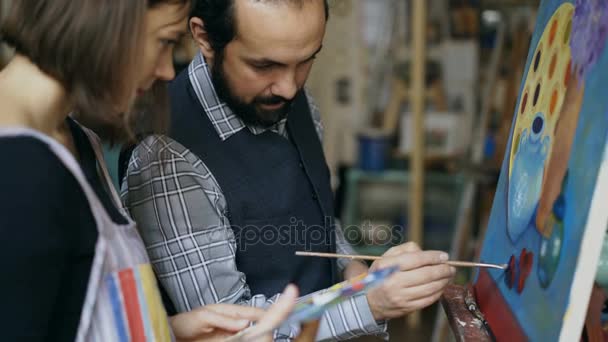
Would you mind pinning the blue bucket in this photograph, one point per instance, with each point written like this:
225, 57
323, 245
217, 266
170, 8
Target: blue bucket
373, 148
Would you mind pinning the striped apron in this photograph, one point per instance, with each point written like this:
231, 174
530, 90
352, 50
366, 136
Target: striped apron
122, 301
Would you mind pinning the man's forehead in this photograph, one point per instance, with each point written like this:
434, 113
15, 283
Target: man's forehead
266, 21
297, 3
260, 8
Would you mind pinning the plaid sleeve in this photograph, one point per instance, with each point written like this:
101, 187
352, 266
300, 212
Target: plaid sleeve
179, 208
349, 319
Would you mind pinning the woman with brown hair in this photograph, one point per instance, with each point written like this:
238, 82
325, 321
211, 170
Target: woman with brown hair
74, 265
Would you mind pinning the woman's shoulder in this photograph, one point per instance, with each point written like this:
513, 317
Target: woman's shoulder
27, 152
29, 164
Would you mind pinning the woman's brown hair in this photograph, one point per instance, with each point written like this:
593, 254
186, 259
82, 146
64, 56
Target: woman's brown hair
151, 111
90, 46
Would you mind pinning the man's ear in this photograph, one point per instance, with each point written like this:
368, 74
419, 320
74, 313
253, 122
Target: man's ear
201, 38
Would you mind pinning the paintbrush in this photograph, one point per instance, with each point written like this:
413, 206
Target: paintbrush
245, 335
371, 257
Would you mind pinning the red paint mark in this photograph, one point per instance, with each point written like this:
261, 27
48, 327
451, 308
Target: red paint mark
511, 272
525, 267
358, 286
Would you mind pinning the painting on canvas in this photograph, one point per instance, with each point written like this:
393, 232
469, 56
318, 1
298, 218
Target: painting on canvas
550, 210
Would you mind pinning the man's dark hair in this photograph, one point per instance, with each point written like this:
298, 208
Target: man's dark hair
218, 16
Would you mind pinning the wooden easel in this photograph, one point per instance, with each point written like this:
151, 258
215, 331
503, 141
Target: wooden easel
417, 101
466, 326
416, 95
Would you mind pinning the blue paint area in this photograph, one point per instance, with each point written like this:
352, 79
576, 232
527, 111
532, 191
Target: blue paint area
540, 310
527, 177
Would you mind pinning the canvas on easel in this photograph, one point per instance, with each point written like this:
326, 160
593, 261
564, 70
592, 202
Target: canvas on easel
550, 211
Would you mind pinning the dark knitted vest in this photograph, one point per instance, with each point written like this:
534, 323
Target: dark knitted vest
278, 193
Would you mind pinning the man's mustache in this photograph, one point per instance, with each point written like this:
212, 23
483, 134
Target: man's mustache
272, 100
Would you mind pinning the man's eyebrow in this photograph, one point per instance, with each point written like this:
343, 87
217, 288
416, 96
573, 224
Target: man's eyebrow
270, 61
316, 52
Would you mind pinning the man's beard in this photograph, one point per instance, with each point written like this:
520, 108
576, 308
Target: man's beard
250, 113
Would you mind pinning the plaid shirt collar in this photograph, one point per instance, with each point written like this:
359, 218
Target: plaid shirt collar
226, 123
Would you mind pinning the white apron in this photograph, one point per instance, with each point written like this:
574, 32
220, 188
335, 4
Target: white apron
122, 301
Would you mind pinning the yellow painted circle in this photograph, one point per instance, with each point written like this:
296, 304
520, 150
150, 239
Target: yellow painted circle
545, 82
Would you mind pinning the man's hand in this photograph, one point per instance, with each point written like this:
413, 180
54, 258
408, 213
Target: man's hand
420, 282
354, 268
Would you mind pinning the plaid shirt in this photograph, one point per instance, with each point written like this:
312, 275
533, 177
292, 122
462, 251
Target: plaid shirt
179, 208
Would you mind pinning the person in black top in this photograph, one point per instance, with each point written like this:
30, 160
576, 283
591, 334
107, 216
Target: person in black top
90, 59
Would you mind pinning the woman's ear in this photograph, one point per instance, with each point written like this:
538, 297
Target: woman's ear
201, 38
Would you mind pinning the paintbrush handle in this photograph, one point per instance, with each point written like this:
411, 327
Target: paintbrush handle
333, 255
372, 258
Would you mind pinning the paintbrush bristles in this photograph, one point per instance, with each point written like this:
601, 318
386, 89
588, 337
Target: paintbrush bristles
372, 258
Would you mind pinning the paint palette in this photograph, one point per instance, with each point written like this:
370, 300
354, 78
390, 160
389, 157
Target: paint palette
313, 307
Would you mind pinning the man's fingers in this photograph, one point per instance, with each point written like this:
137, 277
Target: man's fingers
237, 311
415, 260
408, 247
420, 283
424, 302
423, 275
410, 261
427, 290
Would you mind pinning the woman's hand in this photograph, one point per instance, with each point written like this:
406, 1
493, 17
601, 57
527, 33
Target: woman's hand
218, 322
262, 332
213, 322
